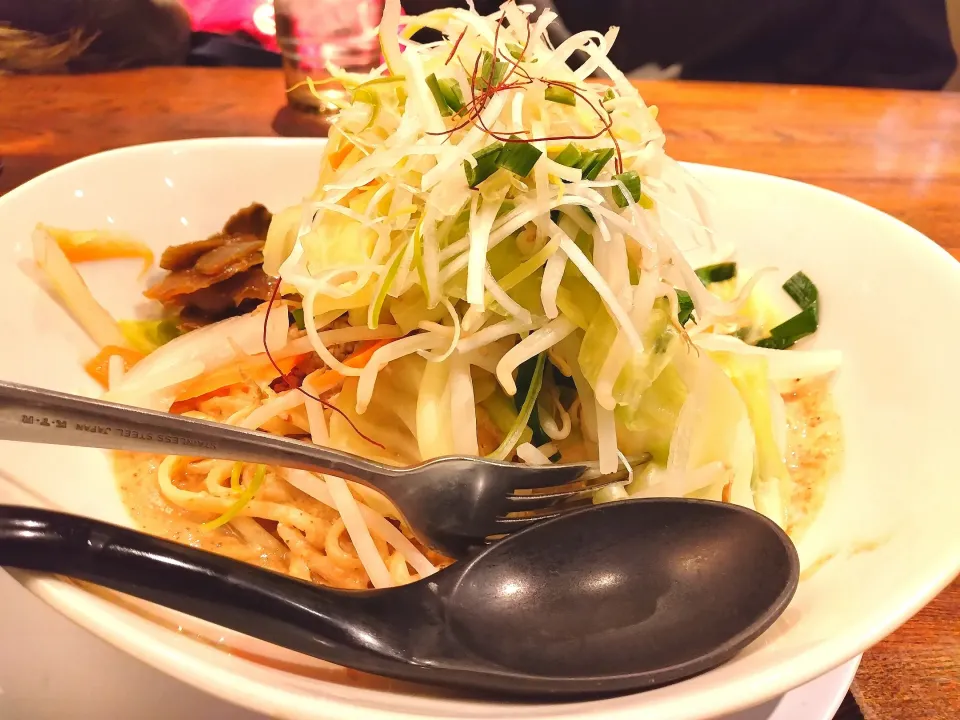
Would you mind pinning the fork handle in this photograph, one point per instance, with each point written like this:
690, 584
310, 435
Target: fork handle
36, 415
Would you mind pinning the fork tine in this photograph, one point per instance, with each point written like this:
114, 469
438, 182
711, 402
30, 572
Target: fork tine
535, 477
536, 501
518, 522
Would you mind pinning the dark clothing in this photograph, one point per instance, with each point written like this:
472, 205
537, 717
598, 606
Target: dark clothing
871, 43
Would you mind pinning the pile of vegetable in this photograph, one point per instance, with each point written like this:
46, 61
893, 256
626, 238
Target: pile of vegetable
536, 279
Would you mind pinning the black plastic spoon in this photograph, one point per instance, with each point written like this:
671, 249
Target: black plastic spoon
614, 598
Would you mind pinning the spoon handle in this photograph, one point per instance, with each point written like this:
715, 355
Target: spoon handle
37, 415
329, 624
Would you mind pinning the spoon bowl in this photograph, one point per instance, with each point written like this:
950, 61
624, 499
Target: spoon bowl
612, 598
650, 590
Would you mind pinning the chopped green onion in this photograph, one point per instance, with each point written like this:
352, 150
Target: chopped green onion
438, 97
685, 309
631, 181
788, 332
241, 502
607, 96
297, 315
516, 51
490, 68
450, 89
518, 157
506, 448
560, 94
802, 290
775, 342
147, 335
586, 159
593, 170
805, 294
569, 156
717, 273
486, 164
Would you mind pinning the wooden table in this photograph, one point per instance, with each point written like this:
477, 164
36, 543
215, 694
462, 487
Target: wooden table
898, 151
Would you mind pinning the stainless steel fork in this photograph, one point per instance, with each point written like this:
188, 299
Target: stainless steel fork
452, 504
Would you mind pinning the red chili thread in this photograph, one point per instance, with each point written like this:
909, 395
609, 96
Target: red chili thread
479, 102
453, 50
286, 376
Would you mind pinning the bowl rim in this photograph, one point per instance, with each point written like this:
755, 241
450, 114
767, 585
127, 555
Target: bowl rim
190, 660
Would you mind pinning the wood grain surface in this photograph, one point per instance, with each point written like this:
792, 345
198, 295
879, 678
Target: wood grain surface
898, 151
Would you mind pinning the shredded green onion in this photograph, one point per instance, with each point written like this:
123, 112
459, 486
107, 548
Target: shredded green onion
569, 156
518, 157
560, 94
418, 257
372, 98
506, 448
592, 172
373, 318
717, 273
631, 181
386, 80
486, 164
366, 95
516, 51
235, 476
524, 378
241, 502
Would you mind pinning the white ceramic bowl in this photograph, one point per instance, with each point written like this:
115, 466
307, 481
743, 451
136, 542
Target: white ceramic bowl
889, 527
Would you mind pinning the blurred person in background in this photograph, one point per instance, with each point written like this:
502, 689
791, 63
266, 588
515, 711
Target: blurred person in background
88, 35
871, 43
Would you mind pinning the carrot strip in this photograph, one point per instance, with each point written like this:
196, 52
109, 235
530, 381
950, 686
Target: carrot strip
257, 368
360, 358
337, 157
98, 367
89, 245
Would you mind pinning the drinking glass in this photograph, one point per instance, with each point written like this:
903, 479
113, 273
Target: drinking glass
313, 33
